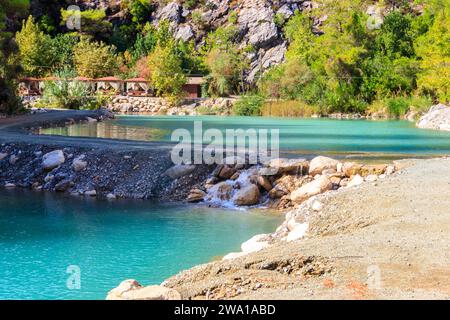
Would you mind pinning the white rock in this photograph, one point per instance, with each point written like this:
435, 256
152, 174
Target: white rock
90, 193
111, 196
179, 171
372, 178
319, 164
390, 170
313, 188
356, 181
53, 159
234, 255
254, 244
437, 118
298, 232
10, 185
79, 164
3, 156
317, 206
132, 290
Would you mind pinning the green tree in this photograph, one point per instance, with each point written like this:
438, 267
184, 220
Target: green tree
93, 22
35, 48
167, 74
224, 60
94, 59
10, 11
433, 48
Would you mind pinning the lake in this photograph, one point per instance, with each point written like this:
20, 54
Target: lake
42, 234
339, 138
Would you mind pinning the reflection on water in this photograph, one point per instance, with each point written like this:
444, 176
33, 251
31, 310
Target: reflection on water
307, 137
108, 130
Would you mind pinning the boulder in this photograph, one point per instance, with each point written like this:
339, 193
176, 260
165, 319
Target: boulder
53, 159
79, 164
355, 181
437, 118
221, 191
247, 196
351, 168
3, 156
196, 195
319, 164
313, 188
171, 12
292, 166
132, 290
185, 33
264, 183
10, 185
179, 171
227, 172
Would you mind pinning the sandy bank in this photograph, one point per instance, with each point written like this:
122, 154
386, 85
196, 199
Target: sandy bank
388, 239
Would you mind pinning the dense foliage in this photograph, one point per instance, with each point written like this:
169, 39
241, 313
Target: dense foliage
10, 11
349, 62
359, 62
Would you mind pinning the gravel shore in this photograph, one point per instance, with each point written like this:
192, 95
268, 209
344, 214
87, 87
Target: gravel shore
386, 240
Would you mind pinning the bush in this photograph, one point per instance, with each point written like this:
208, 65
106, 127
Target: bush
68, 94
290, 108
248, 105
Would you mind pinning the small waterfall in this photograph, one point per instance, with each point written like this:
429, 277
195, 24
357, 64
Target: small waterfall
222, 193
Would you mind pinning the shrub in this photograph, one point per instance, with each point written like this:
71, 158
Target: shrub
249, 105
70, 94
289, 108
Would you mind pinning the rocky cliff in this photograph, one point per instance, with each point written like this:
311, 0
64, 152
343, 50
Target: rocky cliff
259, 22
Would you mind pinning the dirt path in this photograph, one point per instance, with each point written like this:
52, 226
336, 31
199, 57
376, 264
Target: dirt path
385, 241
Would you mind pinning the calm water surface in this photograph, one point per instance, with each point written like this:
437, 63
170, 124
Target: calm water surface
305, 136
41, 234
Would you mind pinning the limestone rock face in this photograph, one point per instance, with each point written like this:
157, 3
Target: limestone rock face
247, 196
437, 118
171, 12
132, 290
319, 164
185, 33
53, 159
313, 188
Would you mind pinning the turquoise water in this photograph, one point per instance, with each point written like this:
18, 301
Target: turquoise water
307, 136
41, 234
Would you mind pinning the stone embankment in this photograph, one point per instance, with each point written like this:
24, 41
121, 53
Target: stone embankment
159, 106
